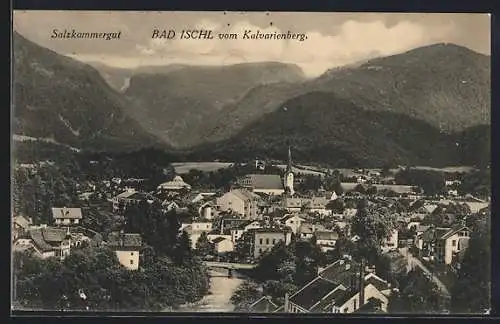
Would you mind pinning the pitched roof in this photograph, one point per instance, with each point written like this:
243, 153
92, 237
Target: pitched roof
265, 181
372, 306
288, 216
377, 282
126, 240
244, 195
218, 239
176, 183
264, 305
65, 212
21, 221
325, 304
43, 236
126, 194
453, 231
327, 235
345, 296
313, 292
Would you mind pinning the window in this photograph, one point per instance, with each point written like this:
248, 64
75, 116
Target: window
355, 304
131, 253
131, 262
208, 226
274, 241
346, 309
260, 250
261, 241
454, 243
291, 222
267, 241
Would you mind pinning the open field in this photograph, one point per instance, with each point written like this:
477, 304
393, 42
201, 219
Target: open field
184, 167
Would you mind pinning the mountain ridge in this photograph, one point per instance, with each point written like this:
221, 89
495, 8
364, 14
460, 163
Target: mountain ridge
66, 100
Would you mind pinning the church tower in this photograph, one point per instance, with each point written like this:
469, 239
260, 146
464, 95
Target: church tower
288, 177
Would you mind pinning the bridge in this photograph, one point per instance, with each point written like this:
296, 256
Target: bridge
228, 269
229, 265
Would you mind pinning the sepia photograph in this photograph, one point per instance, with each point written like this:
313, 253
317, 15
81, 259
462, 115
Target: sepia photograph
251, 162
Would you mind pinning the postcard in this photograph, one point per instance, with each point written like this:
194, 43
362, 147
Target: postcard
251, 162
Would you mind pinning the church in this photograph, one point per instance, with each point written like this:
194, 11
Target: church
271, 184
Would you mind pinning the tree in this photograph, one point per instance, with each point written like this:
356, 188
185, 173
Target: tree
277, 290
244, 245
373, 224
417, 295
246, 294
182, 251
203, 245
472, 290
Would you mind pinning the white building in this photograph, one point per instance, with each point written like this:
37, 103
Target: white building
127, 247
293, 221
67, 216
175, 185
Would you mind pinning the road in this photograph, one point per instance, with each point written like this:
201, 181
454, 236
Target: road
412, 261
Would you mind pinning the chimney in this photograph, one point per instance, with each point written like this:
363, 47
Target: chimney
285, 307
362, 284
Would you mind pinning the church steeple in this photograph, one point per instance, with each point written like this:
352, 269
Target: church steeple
289, 165
288, 178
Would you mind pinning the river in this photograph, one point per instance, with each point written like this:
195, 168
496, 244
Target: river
218, 299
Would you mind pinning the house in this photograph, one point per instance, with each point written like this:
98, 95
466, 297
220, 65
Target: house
67, 216
264, 239
429, 239
293, 221
127, 247
391, 242
223, 245
307, 205
293, 204
51, 242
177, 184
349, 301
194, 197
263, 305
237, 232
307, 230
326, 240
240, 201
170, 205
451, 243
20, 226
126, 198
270, 184
195, 228
336, 289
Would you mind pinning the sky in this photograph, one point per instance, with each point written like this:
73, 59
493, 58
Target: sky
333, 39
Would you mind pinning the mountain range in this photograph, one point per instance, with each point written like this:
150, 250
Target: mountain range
64, 100
430, 105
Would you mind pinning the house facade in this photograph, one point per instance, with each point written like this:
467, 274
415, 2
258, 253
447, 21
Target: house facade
223, 245
391, 242
240, 201
127, 247
66, 216
326, 240
455, 241
265, 239
51, 242
293, 221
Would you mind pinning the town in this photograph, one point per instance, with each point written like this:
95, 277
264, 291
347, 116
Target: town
305, 240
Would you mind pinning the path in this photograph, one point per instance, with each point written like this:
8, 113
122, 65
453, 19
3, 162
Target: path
415, 261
